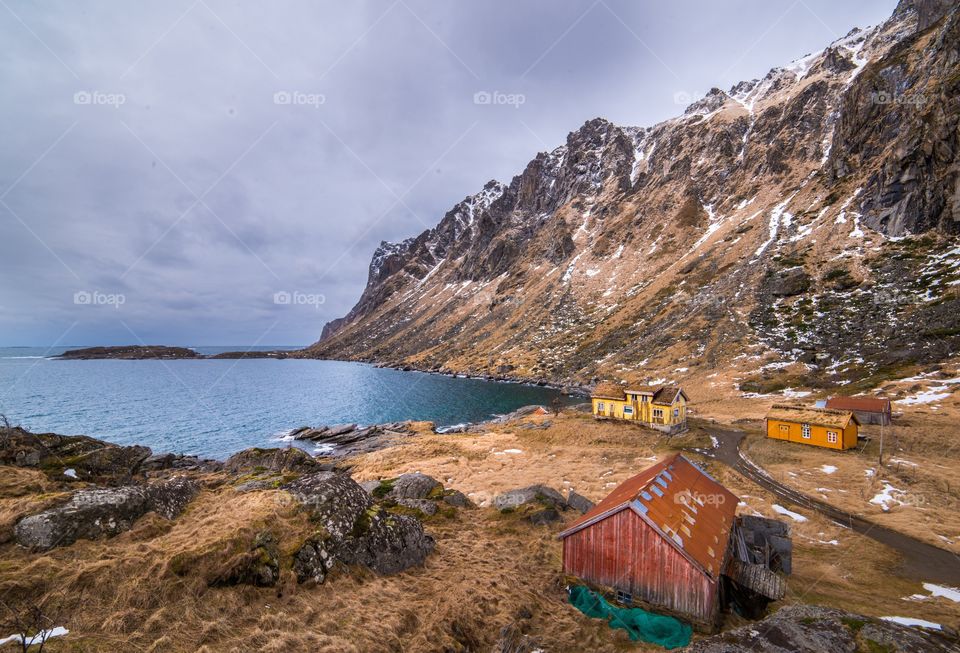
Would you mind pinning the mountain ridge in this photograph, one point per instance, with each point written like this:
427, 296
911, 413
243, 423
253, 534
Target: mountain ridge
729, 230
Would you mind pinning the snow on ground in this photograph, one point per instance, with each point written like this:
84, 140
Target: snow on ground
714, 442
828, 469
778, 217
901, 461
910, 621
573, 264
886, 498
936, 591
790, 393
35, 640
506, 451
72, 473
927, 397
780, 510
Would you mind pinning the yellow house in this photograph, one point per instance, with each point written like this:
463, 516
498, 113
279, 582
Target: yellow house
663, 408
821, 427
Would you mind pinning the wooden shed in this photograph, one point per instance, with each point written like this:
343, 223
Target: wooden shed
661, 540
869, 410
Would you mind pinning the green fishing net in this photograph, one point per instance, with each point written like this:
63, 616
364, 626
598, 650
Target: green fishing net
668, 632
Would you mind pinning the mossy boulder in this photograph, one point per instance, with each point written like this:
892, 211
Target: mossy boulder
94, 513
356, 530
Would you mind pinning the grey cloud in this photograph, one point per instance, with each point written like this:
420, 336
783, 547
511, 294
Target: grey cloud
306, 190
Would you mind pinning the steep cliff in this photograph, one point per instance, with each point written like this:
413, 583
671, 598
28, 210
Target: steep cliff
804, 223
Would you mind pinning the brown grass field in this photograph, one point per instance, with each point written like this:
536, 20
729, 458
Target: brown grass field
147, 590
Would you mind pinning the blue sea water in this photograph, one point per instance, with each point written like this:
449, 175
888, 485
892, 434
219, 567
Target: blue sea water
215, 408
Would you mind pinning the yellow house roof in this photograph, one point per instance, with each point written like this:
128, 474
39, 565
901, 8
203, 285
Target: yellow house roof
609, 391
806, 415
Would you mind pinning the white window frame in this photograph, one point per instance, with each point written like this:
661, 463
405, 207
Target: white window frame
600, 406
832, 437
658, 412
805, 431
627, 410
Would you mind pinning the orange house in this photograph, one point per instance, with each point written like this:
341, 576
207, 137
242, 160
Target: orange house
821, 427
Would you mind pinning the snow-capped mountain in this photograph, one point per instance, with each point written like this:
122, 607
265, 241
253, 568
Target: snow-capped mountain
804, 223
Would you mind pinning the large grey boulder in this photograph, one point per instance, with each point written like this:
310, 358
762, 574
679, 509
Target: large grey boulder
540, 494
412, 486
579, 502
335, 501
90, 514
457, 499
353, 530
386, 543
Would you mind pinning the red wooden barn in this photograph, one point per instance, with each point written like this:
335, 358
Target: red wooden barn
660, 539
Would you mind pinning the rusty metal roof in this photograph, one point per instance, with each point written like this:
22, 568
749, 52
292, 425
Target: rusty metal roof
807, 415
680, 501
862, 404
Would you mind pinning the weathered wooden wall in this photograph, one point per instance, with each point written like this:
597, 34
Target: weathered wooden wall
624, 552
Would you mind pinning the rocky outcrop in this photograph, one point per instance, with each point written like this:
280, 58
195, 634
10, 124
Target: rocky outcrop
899, 127
274, 460
353, 530
82, 458
814, 629
350, 439
90, 514
92, 460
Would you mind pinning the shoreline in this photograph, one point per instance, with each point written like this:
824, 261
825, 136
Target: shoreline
163, 352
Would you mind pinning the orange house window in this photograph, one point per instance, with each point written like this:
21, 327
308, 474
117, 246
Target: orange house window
784, 428
832, 437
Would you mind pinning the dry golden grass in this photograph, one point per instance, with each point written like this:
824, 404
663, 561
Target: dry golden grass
147, 589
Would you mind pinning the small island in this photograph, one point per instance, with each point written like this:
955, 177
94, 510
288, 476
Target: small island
129, 352
158, 352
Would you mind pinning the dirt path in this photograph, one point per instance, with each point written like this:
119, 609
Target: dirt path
921, 561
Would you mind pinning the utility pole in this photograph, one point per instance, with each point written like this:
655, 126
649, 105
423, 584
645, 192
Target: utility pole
881, 442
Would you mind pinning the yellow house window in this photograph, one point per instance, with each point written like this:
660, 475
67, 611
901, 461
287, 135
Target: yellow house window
627, 410
805, 431
599, 405
832, 437
658, 412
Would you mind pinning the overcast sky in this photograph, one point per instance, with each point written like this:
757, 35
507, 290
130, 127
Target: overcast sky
169, 166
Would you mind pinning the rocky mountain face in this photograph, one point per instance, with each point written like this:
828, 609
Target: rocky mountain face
800, 228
